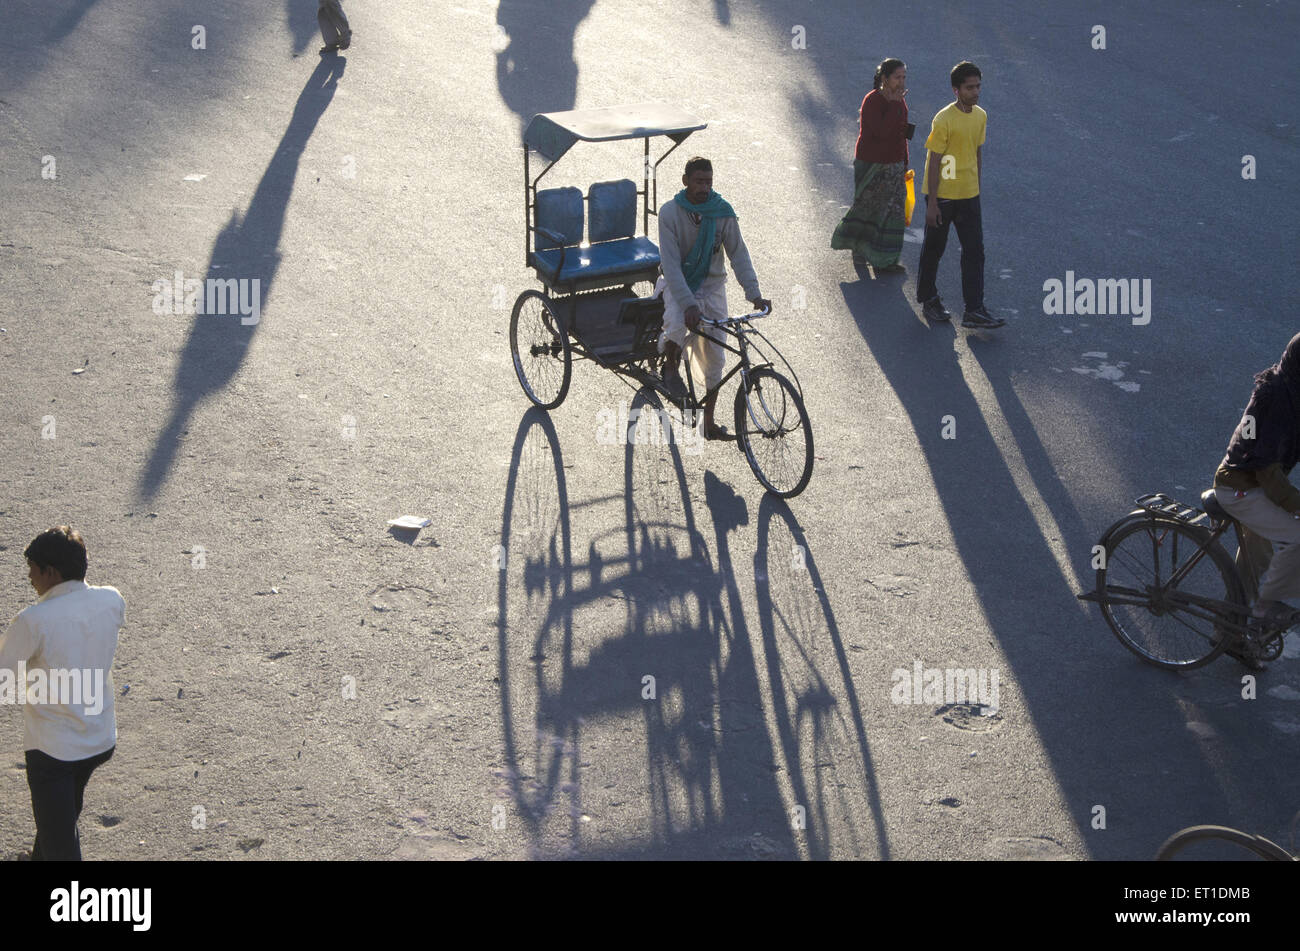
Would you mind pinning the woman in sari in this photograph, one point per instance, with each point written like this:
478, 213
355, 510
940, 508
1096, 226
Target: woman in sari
873, 227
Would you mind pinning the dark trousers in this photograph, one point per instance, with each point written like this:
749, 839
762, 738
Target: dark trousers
58, 787
965, 214
333, 22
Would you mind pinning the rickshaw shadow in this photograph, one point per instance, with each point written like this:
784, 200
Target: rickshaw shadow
681, 661
818, 715
247, 250
704, 737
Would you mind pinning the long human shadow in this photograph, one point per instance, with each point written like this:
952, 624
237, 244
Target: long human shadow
247, 249
536, 72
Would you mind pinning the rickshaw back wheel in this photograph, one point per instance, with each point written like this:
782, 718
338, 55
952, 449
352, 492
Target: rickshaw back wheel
539, 347
774, 432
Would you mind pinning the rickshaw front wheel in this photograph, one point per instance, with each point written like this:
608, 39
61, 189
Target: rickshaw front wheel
539, 346
774, 432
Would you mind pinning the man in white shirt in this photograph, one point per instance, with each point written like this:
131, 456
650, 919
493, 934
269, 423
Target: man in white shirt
56, 660
694, 229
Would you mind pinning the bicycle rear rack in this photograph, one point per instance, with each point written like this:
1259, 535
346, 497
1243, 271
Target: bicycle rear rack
1158, 503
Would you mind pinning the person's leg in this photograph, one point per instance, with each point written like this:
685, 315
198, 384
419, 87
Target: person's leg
329, 32
671, 340
54, 801
1281, 582
970, 232
84, 768
340, 23
709, 359
1253, 557
936, 240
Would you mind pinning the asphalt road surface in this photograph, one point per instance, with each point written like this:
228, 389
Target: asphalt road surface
309, 684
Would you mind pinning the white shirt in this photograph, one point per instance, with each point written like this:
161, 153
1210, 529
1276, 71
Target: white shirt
73, 627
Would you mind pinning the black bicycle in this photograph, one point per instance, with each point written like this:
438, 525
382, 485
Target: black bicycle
1171, 592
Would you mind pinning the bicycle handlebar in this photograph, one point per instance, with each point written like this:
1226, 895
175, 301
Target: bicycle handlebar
739, 318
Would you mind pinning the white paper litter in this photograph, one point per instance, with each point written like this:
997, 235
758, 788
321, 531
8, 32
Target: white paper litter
409, 521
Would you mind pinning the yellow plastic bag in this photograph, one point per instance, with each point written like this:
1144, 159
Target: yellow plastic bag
910, 202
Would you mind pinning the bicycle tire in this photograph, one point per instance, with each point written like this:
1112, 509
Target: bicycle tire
1136, 626
546, 341
764, 416
1264, 848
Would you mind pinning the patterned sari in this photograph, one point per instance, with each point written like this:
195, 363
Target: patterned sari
874, 226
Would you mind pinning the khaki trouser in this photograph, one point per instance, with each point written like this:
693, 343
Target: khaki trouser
1267, 523
333, 23
704, 358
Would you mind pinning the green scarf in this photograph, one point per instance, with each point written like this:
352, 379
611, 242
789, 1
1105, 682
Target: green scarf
696, 266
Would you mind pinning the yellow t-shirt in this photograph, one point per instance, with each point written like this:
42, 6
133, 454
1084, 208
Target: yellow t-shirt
958, 134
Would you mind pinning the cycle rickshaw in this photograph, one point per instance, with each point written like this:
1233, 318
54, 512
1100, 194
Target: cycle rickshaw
597, 305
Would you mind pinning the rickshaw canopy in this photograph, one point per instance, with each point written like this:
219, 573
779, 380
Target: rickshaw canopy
552, 134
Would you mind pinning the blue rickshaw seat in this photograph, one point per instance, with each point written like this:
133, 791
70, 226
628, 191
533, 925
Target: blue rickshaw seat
606, 259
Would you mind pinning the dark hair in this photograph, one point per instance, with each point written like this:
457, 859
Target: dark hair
61, 548
964, 71
885, 70
698, 164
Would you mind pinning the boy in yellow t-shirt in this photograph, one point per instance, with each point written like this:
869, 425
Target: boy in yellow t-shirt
952, 196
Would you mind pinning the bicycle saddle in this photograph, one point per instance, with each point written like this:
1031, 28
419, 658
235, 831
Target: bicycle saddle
1210, 505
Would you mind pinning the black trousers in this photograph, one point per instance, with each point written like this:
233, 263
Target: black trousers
965, 214
58, 787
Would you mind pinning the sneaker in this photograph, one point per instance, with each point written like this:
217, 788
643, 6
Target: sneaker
933, 309
891, 269
979, 318
345, 41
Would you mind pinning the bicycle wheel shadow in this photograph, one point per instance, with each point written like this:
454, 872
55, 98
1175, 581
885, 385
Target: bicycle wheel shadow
534, 557
818, 715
